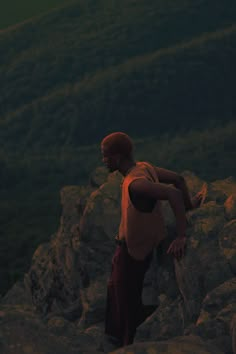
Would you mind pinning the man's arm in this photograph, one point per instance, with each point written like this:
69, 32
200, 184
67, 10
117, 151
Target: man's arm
167, 176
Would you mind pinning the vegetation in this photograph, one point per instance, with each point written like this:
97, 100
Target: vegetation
13, 12
71, 76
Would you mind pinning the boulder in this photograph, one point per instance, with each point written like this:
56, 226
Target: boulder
233, 332
177, 345
230, 207
227, 242
24, 332
64, 290
217, 311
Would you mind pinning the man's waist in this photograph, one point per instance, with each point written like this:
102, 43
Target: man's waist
120, 241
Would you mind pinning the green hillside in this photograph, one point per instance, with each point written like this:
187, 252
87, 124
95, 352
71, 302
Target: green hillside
77, 73
14, 11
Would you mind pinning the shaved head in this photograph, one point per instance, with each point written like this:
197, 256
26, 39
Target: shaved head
118, 143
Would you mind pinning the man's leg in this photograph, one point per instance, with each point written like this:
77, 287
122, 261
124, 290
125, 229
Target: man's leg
124, 308
136, 311
113, 303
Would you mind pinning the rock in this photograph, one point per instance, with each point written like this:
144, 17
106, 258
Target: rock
203, 267
167, 321
24, 332
219, 303
98, 176
19, 294
220, 190
230, 207
227, 242
194, 183
101, 216
97, 332
233, 332
218, 309
93, 301
64, 292
180, 345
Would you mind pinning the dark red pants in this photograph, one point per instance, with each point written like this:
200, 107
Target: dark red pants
124, 307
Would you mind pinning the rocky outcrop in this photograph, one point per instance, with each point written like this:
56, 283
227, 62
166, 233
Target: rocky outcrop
181, 345
63, 294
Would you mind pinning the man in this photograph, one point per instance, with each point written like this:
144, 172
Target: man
141, 229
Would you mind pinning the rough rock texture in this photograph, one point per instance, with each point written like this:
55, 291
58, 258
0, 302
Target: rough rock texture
62, 297
233, 332
177, 345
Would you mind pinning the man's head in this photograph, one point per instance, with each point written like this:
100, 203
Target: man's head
117, 150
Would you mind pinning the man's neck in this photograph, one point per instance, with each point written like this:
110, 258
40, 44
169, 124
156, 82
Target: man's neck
127, 168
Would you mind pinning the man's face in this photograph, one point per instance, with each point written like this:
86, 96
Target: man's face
110, 160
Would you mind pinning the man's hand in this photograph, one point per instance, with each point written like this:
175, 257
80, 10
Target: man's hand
177, 247
200, 197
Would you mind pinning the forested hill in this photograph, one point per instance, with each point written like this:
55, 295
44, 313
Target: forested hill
91, 67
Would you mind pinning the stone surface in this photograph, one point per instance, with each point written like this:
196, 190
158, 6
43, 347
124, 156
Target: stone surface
217, 311
230, 207
177, 345
23, 331
227, 241
233, 332
63, 294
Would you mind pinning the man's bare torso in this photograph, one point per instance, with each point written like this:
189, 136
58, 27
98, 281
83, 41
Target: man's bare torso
142, 204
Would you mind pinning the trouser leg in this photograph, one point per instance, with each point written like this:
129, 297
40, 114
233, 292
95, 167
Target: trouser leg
124, 308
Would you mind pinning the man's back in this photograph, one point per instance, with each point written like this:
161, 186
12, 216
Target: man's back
142, 222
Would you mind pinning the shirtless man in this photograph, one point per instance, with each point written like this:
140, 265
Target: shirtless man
130, 264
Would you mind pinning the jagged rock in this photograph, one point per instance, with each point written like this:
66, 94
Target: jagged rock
180, 345
18, 294
220, 190
97, 332
204, 266
61, 327
56, 275
233, 332
101, 216
93, 300
68, 276
23, 332
194, 183
166, 322
227, 241
230, 207
98, 176
217, 311
220, 303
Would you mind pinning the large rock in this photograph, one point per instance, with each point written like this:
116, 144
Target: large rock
65, 287
22, 331
217, 311
165, 323
233, 332
227, 241
177, 345
230, 207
